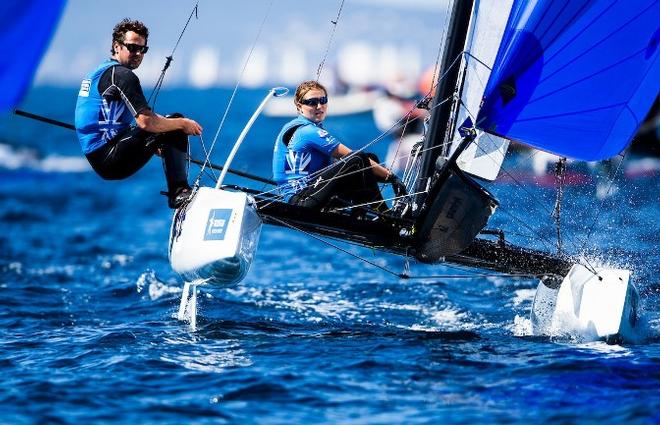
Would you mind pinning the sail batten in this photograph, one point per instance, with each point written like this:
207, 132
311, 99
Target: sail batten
578, 84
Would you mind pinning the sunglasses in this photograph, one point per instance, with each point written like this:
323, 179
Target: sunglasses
135, 48
314, 101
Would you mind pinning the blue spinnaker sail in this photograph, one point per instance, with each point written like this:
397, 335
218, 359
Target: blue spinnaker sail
27, 26
575, 78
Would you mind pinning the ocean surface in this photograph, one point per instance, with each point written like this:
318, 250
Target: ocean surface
312, 335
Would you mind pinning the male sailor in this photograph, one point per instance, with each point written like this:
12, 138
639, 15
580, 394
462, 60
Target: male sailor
118, 131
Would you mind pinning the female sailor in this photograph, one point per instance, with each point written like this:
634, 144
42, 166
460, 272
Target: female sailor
303, 164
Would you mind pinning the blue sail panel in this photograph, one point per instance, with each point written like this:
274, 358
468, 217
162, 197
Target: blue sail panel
575, 78
27, 27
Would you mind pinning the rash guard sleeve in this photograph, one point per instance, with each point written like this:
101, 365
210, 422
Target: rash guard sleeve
120, 83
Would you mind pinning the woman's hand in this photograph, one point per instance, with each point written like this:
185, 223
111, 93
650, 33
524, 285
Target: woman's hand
397, 185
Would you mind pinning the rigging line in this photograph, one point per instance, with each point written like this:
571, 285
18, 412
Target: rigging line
402, 275
534, 232
233, 171
613, 177
206, 154
538, 204
560, 175
379, 202
388, 131
317, 173
405, 275
438, 56
168, 60
382, 135
332, 35
291, 226
238, 82
408, 120
545, 208
377, 139
482, 63
572, 242
207, 172
484, 263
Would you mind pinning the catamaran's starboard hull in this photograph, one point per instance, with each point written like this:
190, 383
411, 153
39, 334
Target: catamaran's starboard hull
588, 306
215, 237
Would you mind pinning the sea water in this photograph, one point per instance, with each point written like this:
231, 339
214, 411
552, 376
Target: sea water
312, 335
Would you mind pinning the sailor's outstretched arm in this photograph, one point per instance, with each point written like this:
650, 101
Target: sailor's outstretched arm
150, 121
379, 171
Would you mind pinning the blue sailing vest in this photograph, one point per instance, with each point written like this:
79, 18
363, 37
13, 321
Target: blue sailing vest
97, 119
309, 150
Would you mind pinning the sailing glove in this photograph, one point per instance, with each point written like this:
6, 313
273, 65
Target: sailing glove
398, 186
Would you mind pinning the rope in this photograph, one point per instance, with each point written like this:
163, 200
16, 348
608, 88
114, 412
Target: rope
613, 177
168, 60
332, 35
539, 205
233, 94
381, 136
291, 226
560, 176
405, 275
377, 139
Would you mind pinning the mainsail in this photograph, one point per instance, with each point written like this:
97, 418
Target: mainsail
484, 157
27, 27
574, 78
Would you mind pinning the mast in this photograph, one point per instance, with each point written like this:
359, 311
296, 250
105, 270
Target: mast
438, 127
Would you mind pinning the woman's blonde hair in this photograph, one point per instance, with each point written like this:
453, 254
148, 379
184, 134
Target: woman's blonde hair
306, 86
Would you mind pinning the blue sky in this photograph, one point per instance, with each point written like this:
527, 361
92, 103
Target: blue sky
375, 39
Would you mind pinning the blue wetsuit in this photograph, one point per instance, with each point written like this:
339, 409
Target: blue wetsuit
302, 149
309, 150
99, 118
109, 100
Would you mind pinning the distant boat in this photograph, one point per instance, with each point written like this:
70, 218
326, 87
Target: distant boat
571, 78
353, 102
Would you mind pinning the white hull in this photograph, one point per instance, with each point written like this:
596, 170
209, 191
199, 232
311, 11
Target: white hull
588, 306
215, 237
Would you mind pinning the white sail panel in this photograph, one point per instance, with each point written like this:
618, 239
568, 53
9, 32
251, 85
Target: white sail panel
484, 157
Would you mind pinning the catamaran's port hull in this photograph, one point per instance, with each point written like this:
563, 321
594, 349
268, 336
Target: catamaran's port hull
214, 238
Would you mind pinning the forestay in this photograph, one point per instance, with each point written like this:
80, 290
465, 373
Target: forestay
574, 78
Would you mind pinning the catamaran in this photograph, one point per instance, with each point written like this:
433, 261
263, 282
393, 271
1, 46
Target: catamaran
575, 79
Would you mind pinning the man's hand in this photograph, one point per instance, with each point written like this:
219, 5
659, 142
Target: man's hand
149, 121
191, 127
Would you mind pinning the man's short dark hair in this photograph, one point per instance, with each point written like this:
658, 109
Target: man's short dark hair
126, 25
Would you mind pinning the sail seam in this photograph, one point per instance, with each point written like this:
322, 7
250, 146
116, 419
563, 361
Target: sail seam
568, 42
